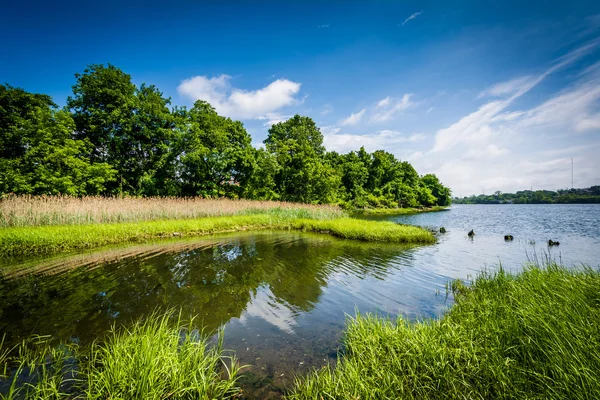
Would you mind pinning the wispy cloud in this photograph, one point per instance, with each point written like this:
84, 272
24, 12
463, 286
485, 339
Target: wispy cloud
505, 88
502, 149
389, 140
239, 103
413, 16
471, 127
388, 108
323, 26
354, 118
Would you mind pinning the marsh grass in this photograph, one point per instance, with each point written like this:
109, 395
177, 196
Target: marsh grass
398, 211
161, 357
25, 210
56, 239
532, 335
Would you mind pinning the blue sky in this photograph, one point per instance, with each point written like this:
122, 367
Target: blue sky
487, 95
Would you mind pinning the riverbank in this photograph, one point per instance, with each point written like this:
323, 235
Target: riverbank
397, 211
20, 241
531, 335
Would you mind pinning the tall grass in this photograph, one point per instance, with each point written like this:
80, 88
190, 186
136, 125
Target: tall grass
55, 239
158, 358
65, 210
534, 335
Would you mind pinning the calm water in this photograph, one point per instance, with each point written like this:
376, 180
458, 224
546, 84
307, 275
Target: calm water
282, 297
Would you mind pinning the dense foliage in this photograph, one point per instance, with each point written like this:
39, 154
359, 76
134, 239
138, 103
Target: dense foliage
589, 195
114, 137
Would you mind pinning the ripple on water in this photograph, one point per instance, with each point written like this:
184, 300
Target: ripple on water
283, 297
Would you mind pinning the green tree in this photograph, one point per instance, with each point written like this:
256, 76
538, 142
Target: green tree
130, 128
304, 173
45, 159
439, 191
215, 153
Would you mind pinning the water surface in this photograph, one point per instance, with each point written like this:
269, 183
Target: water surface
282, 297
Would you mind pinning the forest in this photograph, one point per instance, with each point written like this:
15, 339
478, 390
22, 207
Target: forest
565, 196
114, 138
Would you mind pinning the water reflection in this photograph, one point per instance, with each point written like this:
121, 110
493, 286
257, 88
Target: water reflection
282, 297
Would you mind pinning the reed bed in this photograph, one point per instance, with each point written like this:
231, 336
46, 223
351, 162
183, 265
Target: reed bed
532, 335
158, 358
17, 211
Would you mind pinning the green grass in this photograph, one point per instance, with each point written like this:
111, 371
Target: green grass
533, 335
159, 358
398, 211
21, 241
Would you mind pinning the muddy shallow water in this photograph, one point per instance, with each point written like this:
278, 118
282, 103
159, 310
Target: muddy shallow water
283, 297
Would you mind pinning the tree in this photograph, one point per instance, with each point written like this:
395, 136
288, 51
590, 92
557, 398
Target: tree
45, 159
130, 128
304, 174
439, 191
215, 155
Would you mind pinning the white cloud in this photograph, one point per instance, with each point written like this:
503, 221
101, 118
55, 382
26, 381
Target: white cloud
384, 102
354, 118
273, 118
323, 26
494, 148
505, 88
430, 110
238, 103
388, 108
413, 16
386, 139
470, 127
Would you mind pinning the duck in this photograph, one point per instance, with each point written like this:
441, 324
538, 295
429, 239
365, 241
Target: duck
553, 243
442, 230
508, 238
471, 233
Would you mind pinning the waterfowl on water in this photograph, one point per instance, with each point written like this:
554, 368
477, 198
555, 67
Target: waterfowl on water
442, 230
553, 243
508, 237
471, 233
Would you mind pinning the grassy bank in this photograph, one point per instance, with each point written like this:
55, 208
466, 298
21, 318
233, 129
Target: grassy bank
159, 358
534, 335
18, 211
398, 211
19, 241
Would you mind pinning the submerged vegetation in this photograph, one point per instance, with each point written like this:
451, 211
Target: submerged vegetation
115, 138
532, 335
24, 240
159, 358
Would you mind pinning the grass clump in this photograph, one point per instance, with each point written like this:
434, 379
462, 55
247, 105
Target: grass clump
533, 335
158, 358
55, 239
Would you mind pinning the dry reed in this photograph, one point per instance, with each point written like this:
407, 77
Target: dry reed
65, 210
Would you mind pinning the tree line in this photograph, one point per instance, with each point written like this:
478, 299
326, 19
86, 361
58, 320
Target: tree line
116, 138
565, 196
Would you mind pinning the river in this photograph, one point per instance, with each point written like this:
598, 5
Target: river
282, 297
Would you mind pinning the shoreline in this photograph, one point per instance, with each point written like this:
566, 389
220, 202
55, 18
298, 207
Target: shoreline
46, 240
398, 211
